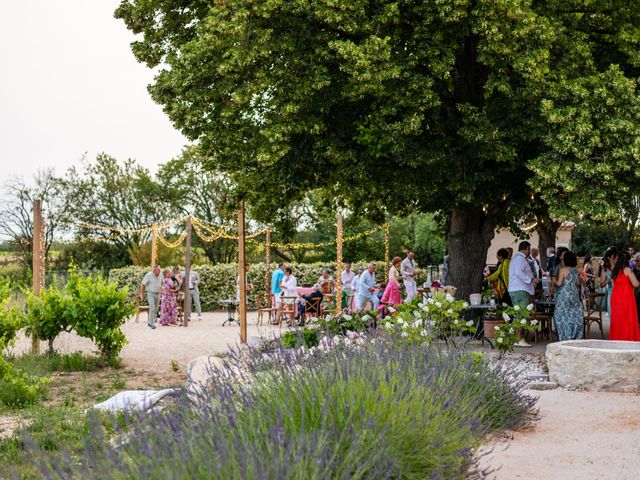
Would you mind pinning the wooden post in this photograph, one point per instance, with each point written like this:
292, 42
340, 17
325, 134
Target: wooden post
268, 262
339, 265
154, 245
38, 263
386, 252
187, 274
242, 280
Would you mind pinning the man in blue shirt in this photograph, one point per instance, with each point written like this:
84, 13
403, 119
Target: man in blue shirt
276, 279
366, 288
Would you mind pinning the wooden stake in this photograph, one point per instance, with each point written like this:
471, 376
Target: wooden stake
154, 245
187, 274
38, 264
339, 265
268, 262
242, 281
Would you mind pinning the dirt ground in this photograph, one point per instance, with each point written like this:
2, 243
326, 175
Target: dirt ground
580, 435
153, 351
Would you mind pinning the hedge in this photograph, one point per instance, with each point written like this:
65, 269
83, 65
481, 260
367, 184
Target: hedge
218, 282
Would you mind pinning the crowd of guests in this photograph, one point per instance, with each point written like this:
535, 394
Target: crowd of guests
165, 292
518, 280
360, 289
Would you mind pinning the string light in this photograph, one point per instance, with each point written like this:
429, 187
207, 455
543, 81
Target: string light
386, 251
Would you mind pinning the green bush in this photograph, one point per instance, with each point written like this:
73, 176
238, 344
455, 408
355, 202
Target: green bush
218, 282
306, 337
92, 306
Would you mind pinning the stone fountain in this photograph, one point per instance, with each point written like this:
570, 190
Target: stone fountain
598, 365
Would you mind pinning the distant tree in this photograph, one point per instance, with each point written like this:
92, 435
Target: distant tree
16, 212
108, 193
204, 193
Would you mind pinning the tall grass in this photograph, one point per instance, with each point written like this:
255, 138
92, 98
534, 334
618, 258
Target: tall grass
382, 410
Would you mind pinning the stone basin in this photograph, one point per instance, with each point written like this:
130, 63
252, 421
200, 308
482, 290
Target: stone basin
598, 365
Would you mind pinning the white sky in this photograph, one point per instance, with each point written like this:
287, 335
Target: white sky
69, 84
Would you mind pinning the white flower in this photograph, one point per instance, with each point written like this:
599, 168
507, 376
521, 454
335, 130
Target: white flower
530, 307
455, 322
511, 330
450, 312
499, 340
365, 318
523, 321
416, 313
426, 308
391, 309
449, 297
506, 317
470, 323
497, 327
417, 323
347, 317
387, 317
430, 301
401, 321
423, 333
465, 305
534, 322
313, 319
405, 334
388, 326
438, 304
516, 308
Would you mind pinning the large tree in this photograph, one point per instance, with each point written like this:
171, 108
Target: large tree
390, 107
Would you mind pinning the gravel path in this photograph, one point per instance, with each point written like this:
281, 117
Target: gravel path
580, 435
154, 350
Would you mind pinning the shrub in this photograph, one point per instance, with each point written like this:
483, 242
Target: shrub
92, 306
306, 337
384, 410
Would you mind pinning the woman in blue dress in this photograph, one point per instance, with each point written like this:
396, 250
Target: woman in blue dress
569, 313
606, 282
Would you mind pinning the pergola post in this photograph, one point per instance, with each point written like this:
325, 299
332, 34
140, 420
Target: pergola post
242, 280
339, 264
267, 255
187, 275
154, 245
386, 252
39, 254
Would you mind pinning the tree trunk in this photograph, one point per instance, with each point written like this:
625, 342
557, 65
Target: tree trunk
546, 238
469, 234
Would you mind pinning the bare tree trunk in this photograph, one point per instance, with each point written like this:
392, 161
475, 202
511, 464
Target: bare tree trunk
470, 233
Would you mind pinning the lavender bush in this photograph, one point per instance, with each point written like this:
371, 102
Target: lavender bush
382, 409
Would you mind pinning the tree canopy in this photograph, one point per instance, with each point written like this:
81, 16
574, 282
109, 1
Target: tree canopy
458, 106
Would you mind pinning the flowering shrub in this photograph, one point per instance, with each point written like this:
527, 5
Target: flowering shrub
440, 317
384, 410
515, 318
345, 322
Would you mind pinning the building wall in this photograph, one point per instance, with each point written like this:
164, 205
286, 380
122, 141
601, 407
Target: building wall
504, 239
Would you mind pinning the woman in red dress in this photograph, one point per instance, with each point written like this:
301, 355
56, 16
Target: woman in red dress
623, 315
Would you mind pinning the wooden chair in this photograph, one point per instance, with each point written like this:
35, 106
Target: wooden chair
288, 309
263, 308
594, 312
140, 308
313, 308
544, 325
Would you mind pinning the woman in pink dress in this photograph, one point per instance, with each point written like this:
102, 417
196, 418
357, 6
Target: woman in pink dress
392, 295
623, 314
168, 303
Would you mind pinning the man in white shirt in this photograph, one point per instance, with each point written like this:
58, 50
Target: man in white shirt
347, 278
152, 283
522, 277
367, 288
408, 272
193, 281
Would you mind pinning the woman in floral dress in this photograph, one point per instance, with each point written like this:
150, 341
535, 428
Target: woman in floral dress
168, 304
568, 314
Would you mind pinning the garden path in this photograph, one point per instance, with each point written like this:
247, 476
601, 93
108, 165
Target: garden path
580, 435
